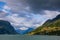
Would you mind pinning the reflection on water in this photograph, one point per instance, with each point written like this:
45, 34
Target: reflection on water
26, 37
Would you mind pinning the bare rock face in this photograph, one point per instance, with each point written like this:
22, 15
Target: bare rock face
6, 28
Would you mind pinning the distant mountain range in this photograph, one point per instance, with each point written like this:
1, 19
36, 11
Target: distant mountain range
6, 28
24, 31
50, 27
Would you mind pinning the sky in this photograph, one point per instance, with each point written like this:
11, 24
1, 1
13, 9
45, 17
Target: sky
24, 14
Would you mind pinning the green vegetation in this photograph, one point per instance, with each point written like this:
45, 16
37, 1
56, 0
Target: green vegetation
50, 27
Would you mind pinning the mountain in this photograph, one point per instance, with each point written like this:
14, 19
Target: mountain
50, 27
6, 28
52, 22
24, 31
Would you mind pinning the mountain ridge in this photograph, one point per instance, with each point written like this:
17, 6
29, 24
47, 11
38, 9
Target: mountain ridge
50, 27
6, 28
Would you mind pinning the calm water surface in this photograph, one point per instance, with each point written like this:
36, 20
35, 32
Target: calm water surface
26, 37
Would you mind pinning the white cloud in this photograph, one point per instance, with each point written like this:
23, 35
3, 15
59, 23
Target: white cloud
6, 9
51, 14
15, 18
30, 22
23, 28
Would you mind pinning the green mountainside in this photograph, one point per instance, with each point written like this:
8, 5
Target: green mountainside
50, 27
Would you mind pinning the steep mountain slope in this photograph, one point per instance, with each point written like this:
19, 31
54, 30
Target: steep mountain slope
6, 28
50, 27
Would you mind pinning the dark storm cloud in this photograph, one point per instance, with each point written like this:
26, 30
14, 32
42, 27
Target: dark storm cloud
37, 5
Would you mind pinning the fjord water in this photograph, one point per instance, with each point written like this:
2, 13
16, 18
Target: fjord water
28, 37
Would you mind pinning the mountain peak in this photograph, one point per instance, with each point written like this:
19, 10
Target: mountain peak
6, 28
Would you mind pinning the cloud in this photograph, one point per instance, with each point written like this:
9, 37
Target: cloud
4, 9
30, 13
51, 14
37, 5
23, 28
30, 22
